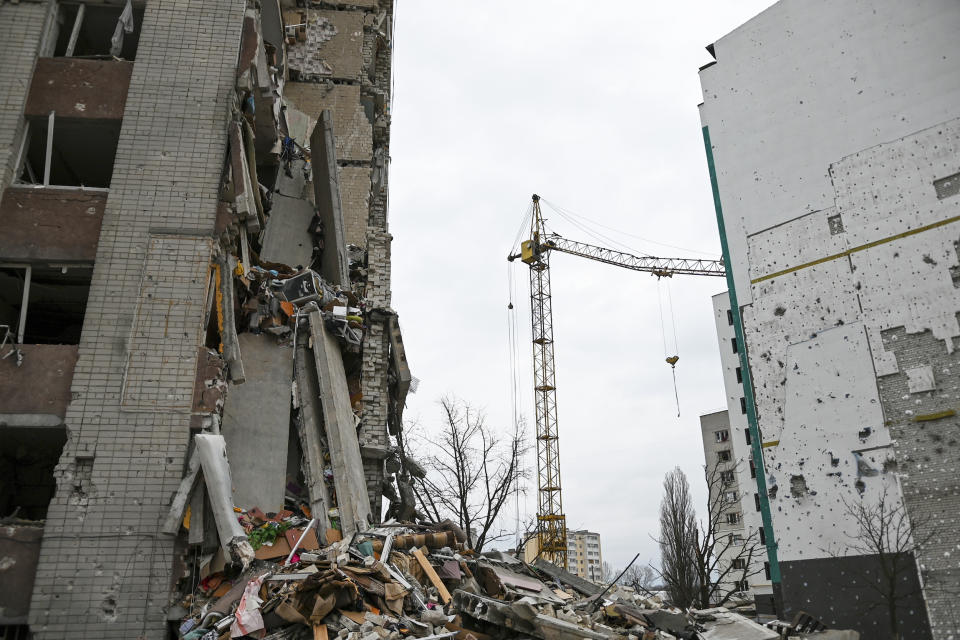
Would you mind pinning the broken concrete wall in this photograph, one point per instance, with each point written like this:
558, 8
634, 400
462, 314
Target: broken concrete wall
105, 570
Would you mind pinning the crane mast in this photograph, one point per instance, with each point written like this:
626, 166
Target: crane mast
535, 253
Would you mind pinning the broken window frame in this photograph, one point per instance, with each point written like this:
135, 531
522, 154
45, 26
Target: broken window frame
25, 296
730, 496
24, 164
724, 455
77, 25
722, 435
733, 518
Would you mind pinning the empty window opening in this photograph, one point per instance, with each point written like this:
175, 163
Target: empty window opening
948, 186
746, 433
27, 460
742, 585
739, 563
729, 317
87, 31
753, 469
724, 455
766, 570
42, 304
722, 436
798, 486
733, 518
763, 536
80, 152
739, 376
756, 501
743, 406
733, 345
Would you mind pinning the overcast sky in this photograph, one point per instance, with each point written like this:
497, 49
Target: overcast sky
594, 107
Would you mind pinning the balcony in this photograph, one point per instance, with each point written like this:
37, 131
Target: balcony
50, 225
79, 88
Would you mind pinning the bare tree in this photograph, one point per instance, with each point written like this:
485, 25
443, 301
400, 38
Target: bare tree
642, 578
884, 531
471, 472
703, 565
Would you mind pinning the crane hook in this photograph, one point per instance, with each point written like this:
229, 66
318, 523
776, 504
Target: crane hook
672, 361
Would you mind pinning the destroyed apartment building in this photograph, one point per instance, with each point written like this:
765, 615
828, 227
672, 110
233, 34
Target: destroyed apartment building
195, 306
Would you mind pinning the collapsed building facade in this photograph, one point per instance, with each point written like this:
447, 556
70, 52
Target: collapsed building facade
194, 293
833, 144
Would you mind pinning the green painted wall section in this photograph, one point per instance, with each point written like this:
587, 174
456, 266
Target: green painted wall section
755, 442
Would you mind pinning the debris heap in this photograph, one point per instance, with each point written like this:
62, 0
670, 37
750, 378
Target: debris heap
402, 580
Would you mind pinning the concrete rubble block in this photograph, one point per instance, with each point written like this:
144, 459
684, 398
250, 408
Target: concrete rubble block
326, 186
212, 452
341, 429
256, 423
721, 624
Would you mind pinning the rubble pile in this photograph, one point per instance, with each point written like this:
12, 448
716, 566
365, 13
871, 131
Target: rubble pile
402, 580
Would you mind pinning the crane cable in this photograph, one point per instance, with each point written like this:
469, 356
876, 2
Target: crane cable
671, 359
513, 340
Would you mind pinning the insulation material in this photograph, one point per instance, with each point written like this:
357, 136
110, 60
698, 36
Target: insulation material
835, 413
920, 379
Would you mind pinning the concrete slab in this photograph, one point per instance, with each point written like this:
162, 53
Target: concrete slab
286, 239
326, 186
341, 430
256, 423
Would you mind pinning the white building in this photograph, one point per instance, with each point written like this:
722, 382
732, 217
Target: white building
833, 143
726, 454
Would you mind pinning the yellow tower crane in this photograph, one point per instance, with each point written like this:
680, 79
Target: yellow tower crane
535, 253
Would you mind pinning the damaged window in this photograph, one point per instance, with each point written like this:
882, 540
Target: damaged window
746, 433
726, 477
27, 460
753, 469
722, 436
739, 376
98, 31
733, 518
724, 455
730, 496
44, 304
743, 405
733, 345
739, 563
68, 152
